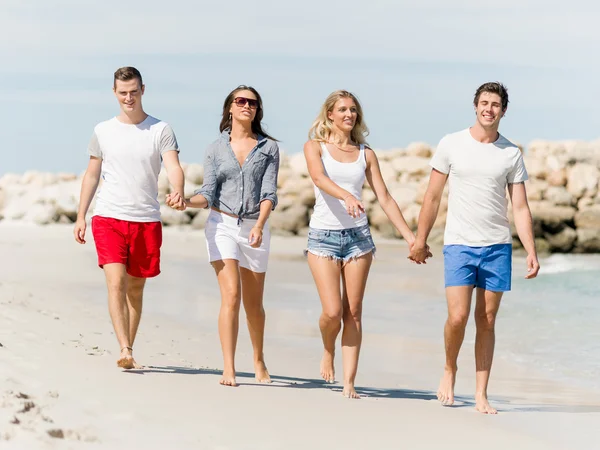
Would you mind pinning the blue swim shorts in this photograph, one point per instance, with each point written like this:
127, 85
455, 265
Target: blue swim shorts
341, 245
488, 267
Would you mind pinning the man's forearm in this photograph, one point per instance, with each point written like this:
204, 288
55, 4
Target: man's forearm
427, 216
524, 225
177, 180
88, 189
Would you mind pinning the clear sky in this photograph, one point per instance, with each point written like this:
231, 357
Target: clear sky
413, 64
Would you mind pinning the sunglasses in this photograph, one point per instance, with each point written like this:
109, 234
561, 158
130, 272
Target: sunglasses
241, 102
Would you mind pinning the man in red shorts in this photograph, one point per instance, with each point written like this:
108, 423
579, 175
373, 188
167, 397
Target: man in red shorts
127, 151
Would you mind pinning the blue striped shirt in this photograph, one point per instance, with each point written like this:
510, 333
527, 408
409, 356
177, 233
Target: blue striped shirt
240, 190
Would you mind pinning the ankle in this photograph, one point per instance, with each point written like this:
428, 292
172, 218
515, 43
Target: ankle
451, 368
259, 361
329, 353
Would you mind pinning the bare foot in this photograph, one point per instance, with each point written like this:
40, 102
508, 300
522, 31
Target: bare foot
483, 406
327, 370
445, 393
228, 378
349, 391
261, 373
126, 360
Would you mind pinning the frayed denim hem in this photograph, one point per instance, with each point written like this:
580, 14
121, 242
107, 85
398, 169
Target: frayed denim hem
358, 255
344, 261
321, 254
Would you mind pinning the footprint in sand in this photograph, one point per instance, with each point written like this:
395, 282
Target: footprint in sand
29, 417
71, 435
97, 351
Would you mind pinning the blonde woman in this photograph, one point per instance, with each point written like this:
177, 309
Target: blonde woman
340, 246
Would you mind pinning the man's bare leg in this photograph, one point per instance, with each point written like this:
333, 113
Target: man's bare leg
116, 283
459, 306
354, 278
135, 293
253, 284
326, 273
486, 309
228, 276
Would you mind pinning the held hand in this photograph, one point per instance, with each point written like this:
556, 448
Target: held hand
419, 252
175, 201
79, 231
255, 237
354, 207
533, 266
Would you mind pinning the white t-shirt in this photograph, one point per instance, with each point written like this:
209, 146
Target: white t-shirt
478, 175
131, 160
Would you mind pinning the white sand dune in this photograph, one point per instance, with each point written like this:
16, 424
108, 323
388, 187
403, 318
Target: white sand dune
58, 374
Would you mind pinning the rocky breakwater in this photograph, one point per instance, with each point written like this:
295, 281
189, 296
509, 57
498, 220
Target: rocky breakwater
563, 194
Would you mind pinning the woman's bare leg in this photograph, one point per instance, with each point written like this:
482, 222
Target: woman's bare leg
228, 276
326, 273
253, 284
354, 279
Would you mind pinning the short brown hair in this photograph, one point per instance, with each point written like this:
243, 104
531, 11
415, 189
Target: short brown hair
126, 74
493, 88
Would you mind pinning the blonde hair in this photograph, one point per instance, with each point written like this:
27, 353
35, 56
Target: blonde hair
321, 128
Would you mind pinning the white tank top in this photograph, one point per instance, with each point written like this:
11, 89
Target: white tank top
330, 213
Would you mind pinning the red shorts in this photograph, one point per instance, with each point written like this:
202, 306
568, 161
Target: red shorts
134, 244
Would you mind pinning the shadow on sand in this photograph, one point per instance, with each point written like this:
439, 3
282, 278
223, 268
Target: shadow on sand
281, 381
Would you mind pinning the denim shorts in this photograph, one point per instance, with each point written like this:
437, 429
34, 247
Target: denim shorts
488, 267
340, 245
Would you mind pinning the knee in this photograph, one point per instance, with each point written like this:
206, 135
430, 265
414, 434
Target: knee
230, 299
254, 311
485, 321
458, 320
353, 315
116, 286
332, 315
135, 290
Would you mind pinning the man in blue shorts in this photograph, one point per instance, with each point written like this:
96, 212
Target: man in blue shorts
481, 165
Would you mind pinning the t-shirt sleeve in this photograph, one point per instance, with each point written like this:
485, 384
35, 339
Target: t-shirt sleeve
518, 173
441, 158
94, 146
168, 141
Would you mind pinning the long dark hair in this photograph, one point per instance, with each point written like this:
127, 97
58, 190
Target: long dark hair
256, 125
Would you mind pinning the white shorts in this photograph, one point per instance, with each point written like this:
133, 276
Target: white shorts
225, 239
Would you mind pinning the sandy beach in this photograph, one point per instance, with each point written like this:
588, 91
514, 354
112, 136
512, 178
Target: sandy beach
58, 374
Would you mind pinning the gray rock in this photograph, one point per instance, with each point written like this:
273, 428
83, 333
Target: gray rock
194, 173
589, 217
536, 189
583, 180
413, 165
563, 241
551, 216
170, 217
420, 149
41, 214
542, 246
290, 220
199, 220
559, 196
588, 240
557, 178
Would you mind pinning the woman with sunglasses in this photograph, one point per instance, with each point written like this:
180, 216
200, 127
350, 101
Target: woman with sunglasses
340, 246
240, 183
